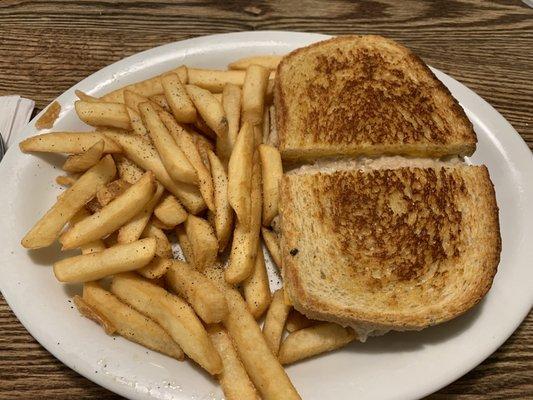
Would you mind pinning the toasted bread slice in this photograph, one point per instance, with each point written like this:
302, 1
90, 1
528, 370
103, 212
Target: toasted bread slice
365, 95
393, 244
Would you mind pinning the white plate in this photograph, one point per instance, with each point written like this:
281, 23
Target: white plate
396, 366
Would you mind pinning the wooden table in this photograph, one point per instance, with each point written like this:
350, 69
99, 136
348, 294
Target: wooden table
48, 46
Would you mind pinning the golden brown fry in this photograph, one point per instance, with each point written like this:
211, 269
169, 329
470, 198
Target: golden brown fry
84, 161
231, 102
269, 61
256, 289
234, 380
67, 180
272, 245
92, 313
173, 314
185, 244
181, 105
203, 241
47, 120
67, 142
111, 191
145, 156
314, 340
129, 323
133, 100
201, 126
272, 170
48, 228
85, 97
214, 80
119, 258
223, 220
240, 174
253, 94
263, 368
275, 321
269, 95
209, 109
156, 268
112, 216
163, 247
103, 114
201, 141
206, 298
137, 124
297, 321
127, 169
91, 247
273, 137
170, 212
161, 101
266, 125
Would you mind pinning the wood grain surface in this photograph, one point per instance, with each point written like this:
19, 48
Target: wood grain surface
48, 46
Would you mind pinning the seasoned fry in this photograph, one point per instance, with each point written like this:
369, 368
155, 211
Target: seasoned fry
256, 289
84, 161
240, 174
269, 61
159, 224
145, 156
308, 342
209, 109
163, 247
253, 94
297, 321
67, 180
181, 105
111, 191
223, 212
137, 124
275, 321
48, 228
203, 241
234, 380
85, 97
173, 314
170, 212
47, 120
272, 245
119, 258
214, 80
133, 100
155, 268
127, 169
185, 244
206, 298
186, 143
201, 141
129, 323
272, 170
161, 101
202, 126
67, 142
231, 102
92, 247
90, 312
133, 229
176, 163
261, 365
103, 114
112, 216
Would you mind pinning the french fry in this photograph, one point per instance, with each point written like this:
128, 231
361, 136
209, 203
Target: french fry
273, 137
203, 241
202, 126
156, 268
174, 316
209, 109
129, 323
256, 289
112, 216
297, 321
47, 120
272, 170
240, 174
160, 224
308, 342
176, 163
223, 220
206, 298
161, 101
85, 97
170, 211
275, 321
127, 169
111, 191
48, 228
103, 114
272, 245
119, 258
234, 380
186, 143
266, 125
231, 102
163, 246
67, 180
214, 80
253, 94
245, 240
67, 142
201, 141
218, 96
258, 135
262, 367
90, 312
269, 61
133, 229
137, 124
181, 105
91, 247
84, 161
134, 100
185, 244
145, 156
269, 95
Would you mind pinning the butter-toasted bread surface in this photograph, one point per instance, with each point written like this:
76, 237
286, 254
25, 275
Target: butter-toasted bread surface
365, 95
391, 248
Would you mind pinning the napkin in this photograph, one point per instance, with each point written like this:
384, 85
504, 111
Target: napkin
15, 112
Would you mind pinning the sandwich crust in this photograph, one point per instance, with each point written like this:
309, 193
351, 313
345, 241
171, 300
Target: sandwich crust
365, 95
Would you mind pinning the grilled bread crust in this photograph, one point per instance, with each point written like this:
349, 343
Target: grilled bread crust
365, 95
389, 249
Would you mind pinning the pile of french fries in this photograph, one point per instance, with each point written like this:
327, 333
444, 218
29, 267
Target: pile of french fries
182, 156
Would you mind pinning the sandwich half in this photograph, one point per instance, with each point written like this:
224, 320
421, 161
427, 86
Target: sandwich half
388, 244
365, 96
